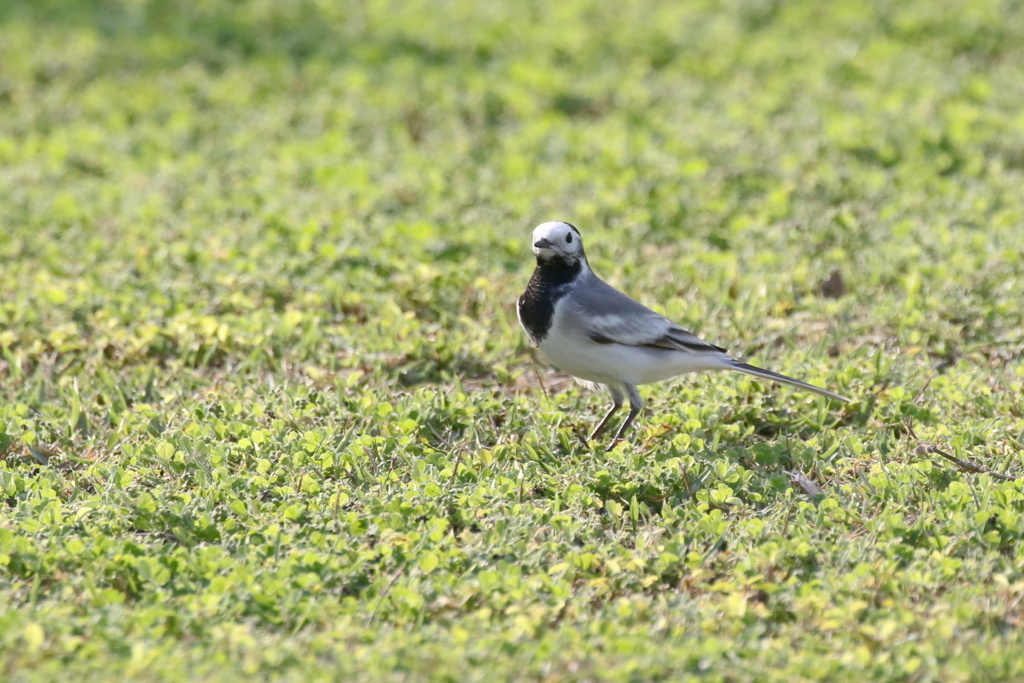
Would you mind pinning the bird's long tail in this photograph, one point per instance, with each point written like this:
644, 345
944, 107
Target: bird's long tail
774, 376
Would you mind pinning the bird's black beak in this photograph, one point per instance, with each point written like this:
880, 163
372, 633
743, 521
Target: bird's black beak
542, 243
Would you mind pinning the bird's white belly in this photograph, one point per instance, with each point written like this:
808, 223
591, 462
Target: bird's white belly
616, 364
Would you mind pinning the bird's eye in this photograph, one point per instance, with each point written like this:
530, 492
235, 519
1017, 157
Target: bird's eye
568, 238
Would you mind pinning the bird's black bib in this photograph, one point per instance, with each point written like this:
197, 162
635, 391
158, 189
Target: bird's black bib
550, 282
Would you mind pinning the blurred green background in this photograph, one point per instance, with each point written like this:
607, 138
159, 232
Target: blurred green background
265, 409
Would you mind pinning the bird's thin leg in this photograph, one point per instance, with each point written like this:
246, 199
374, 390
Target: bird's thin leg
603, 424
635, 404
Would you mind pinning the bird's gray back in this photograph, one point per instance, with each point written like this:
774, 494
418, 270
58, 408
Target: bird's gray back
607, 315
596, 297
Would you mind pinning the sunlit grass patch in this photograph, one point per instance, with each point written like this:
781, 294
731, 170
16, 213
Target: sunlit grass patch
266, 410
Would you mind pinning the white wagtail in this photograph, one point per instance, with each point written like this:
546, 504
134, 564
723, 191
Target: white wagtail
591, 330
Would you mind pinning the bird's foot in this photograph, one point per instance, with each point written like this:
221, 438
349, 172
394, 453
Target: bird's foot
615, 442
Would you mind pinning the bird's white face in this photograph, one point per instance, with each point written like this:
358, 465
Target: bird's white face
557, 240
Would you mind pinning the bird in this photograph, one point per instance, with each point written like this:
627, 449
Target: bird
591, 330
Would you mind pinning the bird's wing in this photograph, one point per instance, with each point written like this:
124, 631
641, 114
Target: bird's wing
607, 316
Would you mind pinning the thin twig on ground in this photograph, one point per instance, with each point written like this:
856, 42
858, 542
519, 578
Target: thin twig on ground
925, 448
965, 464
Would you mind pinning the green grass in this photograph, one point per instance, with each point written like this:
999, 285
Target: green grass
266, 412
